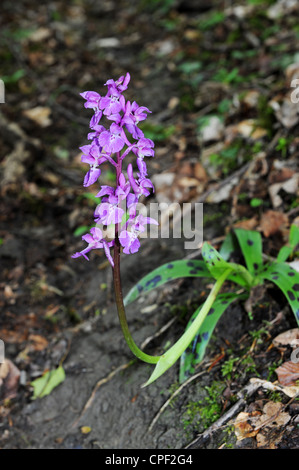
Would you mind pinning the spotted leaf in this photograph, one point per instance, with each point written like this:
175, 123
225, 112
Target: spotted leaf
165, 273
287, 279
287, 250
251, 245
217, 265
194, 354
228, 246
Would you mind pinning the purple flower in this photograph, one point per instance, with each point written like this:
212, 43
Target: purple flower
95, 240
144, 148
112, 104
139, 186
92, 99
97, 130
107, 213
123, 188
129, 239
92, 154
133, 115
120, 85
112, 140
105, 143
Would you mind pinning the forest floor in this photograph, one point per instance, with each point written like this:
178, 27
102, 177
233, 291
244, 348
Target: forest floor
218, 80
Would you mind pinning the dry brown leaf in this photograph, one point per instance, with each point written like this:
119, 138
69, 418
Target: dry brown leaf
288, 373
40, 115
213, 130
290, 391
248, 224
255, 423
251, 98
280, 175
287, 338
285, 111
39, 343
272, 222
289, 186
244, 425
247, 128
9, 379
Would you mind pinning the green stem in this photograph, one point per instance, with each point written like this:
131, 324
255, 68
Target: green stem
121, 310
118, 291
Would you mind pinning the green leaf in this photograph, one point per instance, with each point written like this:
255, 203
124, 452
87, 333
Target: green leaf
217, 265
286, 251
294, 236
14, 78
167, 359
194, 354
165, 273
44, 385
81, 230
287, 279
228, 246
251, 246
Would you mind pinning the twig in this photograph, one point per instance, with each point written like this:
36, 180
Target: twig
101, 382
223, 420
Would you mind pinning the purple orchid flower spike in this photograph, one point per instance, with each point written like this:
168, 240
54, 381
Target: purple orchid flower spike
117, 212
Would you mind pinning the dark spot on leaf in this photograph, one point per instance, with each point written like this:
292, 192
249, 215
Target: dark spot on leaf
212, 310
169, 266
295, 287
249, 242
154, 281
291, 273
291, 295
140, 288
193, 271
275, 277
205, 335
224, 302
190, 263
255, 265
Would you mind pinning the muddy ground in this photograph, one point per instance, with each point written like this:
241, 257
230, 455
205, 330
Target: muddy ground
185, 58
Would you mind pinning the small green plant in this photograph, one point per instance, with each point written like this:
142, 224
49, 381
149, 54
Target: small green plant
282, 146
207, 410
192, 344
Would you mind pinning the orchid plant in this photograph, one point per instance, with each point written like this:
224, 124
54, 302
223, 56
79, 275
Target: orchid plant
119, 225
